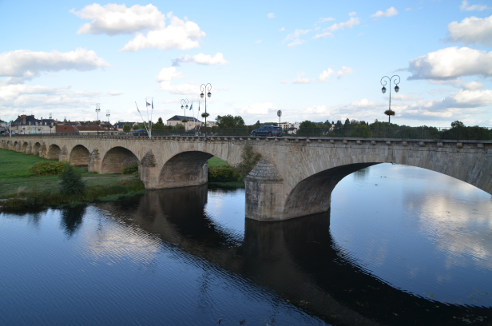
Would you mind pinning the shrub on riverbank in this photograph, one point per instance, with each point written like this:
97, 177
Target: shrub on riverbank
130, 169
71, 181
222, 174
47, 168
34, 197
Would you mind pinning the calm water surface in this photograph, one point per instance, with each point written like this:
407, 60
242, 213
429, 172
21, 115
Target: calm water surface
400, 246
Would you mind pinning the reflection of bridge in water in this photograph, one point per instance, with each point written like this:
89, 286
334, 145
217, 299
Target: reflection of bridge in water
297, 259
295, 178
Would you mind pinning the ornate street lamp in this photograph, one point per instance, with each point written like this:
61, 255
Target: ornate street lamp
184, 106
396, 81
107, 116
98, 109
205, 88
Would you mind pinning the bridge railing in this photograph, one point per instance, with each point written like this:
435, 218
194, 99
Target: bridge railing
359, 131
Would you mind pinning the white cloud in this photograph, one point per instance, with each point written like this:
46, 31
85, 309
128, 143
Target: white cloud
327, 19
296, 37
114, 93
472, 86
166, 76
408, 9
353, 21
326, 74
28, 64
203, 59
258, 41
302, 80
464, 99
178, 35
451, 63
271, 15
42, 100
257, 109
466, 7
353, 13
113, 19
344, 71
388, 13
282, 29
471, 30
296, 42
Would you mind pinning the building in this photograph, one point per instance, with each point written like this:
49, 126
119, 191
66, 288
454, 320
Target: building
191, 123
28, 124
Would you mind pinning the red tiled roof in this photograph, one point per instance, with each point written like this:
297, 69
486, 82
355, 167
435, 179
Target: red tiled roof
65, 129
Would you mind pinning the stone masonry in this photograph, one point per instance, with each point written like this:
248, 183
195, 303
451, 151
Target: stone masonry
295, 177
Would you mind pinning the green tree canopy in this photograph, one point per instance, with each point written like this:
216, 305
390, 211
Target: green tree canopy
160, 120
136, 126
230, 122
127, 127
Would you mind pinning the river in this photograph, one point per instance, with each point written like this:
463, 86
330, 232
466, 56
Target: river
399, 246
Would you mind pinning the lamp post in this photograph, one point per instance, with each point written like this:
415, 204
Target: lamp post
107, 116
396, 81
184, 106
98, 109
205, 88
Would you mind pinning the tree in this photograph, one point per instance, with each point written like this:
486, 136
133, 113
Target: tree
230, 122
308, 128
136, 126
362, 131
160, 120
127, 127
457, 124
71, 181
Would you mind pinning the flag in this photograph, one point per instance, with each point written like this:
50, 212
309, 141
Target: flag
148, 104
198, 106
191, 106
152, 104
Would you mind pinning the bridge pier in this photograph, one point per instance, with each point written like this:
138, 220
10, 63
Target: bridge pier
265, 192
95, 162
63, 156
148, 171
29, 148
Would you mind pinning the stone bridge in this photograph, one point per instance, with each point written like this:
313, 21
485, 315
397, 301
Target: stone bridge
295, 177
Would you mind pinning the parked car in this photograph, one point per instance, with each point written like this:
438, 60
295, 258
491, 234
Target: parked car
140, 132
268, 131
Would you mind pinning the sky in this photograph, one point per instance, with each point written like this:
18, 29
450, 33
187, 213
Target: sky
314, 60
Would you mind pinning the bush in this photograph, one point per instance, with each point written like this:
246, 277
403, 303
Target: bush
47, 168
130, 169
71, 181
222, 174
249, 160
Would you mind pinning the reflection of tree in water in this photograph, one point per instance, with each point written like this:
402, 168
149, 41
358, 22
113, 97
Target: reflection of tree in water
71, 219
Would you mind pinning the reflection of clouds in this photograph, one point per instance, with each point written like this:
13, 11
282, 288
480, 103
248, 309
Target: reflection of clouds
109, 241
459, 221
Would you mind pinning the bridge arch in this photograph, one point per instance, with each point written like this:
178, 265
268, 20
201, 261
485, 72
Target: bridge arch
313, 194
53, 152
24, 147
116, 159
185, 169
79, 156
36, 148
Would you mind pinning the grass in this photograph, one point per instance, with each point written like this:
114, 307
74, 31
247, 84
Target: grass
18, 182
215, 161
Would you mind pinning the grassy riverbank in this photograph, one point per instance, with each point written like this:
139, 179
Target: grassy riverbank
221, 174
18, 182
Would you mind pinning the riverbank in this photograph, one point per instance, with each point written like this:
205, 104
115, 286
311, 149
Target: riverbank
21, 188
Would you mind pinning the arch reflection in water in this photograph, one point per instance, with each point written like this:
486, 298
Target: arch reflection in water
297, 259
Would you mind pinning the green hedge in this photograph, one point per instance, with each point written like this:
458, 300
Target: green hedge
47, 168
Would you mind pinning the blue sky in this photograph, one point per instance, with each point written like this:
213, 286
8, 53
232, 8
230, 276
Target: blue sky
315, 60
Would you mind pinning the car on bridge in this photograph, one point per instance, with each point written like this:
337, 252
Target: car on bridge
140, 132
268, 131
